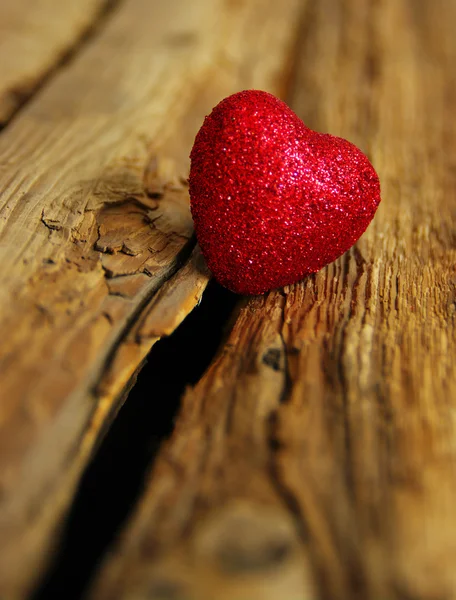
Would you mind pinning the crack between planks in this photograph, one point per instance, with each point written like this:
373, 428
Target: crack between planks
105, 364
91, 32
180, 260
114, 479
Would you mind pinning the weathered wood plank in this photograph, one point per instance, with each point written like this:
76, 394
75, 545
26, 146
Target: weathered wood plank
212, 524
84, 247
34, 38
325, 429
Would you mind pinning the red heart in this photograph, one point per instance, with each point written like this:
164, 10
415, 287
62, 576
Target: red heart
272, 200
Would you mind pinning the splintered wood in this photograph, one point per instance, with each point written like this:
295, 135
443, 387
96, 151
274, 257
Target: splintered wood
94, 219
316, 457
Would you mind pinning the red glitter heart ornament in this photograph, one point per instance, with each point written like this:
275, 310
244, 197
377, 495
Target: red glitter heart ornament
272, 200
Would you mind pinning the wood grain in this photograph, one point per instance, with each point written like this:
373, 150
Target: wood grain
94, 219
35, 36
316, 457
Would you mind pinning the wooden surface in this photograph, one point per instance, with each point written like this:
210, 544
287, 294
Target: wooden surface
36, 36
94, 219
315, 459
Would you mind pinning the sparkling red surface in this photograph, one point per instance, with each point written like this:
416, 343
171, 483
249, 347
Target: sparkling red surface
272, 200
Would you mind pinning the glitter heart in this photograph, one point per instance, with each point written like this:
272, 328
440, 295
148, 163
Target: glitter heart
272, 200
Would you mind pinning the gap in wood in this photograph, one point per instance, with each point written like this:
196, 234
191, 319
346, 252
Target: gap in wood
113, 480
25, 97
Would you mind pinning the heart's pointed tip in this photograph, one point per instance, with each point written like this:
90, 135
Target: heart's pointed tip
271, 199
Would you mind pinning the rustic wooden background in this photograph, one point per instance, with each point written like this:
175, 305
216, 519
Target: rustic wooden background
316, 456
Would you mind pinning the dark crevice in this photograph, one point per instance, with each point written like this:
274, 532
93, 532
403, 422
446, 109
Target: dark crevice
114, 479
24, 96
